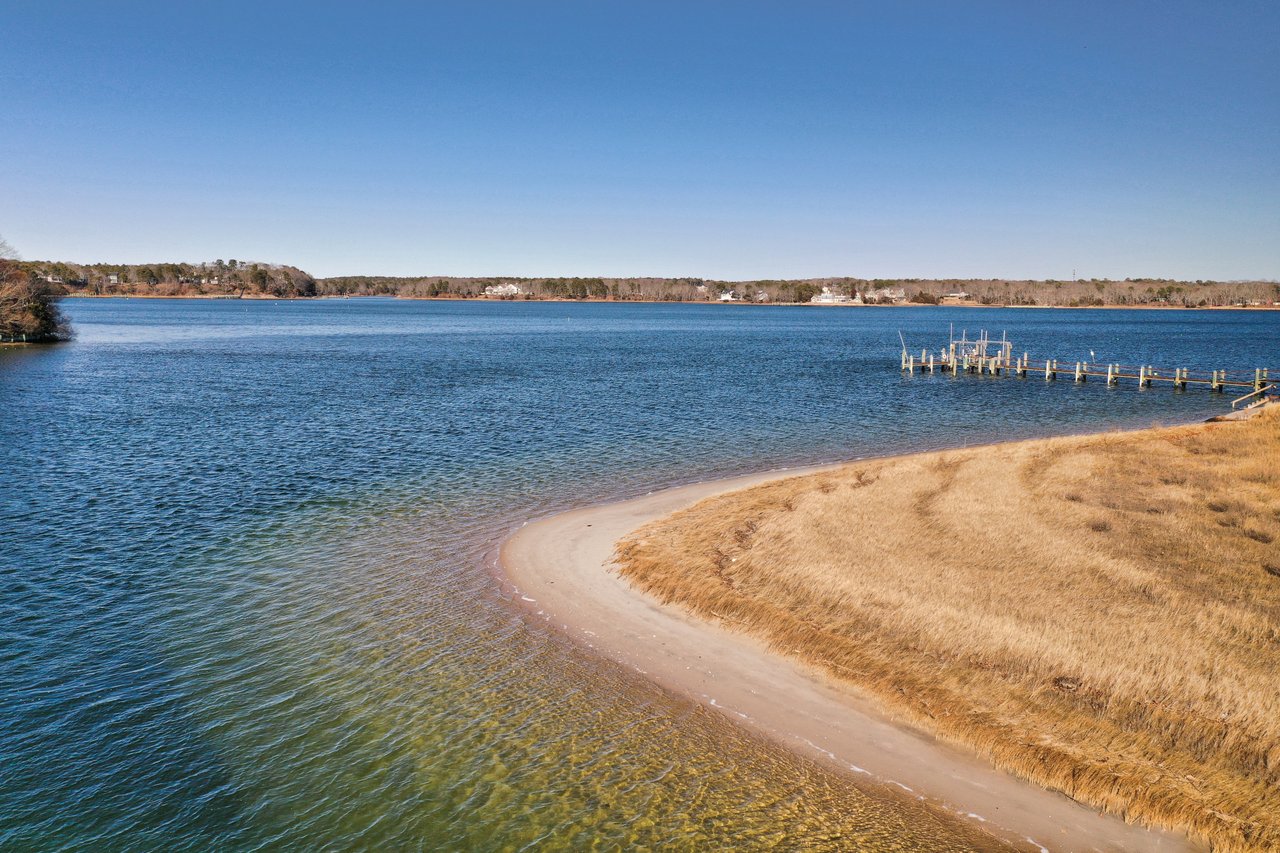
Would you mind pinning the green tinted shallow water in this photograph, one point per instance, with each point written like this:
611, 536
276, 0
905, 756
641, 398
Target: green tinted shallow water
430, 732
247, 564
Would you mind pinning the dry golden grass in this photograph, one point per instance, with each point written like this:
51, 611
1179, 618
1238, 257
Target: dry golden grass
1098, 614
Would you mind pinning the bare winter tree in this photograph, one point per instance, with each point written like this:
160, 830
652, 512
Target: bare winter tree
28, 305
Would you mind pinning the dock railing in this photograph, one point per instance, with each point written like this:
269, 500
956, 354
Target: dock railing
1258, 393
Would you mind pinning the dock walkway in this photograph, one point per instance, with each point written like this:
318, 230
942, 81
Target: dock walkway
995, 358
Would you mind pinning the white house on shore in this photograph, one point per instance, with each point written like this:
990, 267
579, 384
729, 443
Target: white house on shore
501, 290
831, 297
730, 296
893, 294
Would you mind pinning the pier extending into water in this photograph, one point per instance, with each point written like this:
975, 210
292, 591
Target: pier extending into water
995, 358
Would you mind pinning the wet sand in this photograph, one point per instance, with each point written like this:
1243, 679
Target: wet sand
560, 567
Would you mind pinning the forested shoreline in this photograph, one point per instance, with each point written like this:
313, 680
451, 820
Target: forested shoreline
996, 292
233, 278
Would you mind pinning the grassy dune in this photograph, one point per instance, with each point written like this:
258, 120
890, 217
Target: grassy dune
1099, 614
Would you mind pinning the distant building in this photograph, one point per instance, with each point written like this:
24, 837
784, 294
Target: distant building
730, 296
892, 294
959, 294
500, 290
113, 278
761, 296
831, 297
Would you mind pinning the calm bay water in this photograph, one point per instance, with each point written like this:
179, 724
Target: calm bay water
246, 548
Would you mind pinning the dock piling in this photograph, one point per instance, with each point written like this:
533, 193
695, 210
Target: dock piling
976, 356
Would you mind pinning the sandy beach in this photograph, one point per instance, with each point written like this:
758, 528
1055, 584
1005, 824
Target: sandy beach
560, 568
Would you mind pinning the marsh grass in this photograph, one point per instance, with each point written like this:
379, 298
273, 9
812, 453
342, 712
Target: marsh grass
1099, 614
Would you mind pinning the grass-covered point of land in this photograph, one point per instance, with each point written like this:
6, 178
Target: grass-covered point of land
1098, 614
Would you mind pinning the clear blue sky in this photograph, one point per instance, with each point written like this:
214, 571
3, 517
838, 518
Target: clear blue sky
714, 139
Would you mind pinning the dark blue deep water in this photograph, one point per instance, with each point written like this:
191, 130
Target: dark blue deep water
246, 589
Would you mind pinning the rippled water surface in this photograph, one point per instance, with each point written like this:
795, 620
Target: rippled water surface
246, 559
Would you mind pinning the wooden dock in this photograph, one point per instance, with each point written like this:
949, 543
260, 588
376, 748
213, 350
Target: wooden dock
986, 356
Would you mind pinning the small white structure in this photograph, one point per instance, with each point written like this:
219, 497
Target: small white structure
113, 278
958, 294
730, 296
501, 290
830, 297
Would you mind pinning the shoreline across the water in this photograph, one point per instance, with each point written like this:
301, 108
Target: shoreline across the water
267, 297
561, 568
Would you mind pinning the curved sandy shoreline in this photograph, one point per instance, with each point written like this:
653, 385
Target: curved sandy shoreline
561, 567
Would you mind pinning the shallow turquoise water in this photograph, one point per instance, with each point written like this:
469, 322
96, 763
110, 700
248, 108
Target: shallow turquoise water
245, 555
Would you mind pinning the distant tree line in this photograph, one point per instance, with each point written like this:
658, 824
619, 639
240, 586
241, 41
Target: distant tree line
241, 278
1080, 293
211, 278
454, 287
